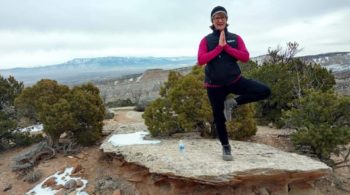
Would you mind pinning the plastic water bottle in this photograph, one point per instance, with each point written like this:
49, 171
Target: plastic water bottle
181, 147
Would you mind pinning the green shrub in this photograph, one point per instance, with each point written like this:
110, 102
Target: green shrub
88, 111
243, 124
26, 138
322, 122
184, 107
57, 118
189, 101
142, 104
120, 103
79, 110
10, 88
160, 119
109, 115
289, 79
31, 102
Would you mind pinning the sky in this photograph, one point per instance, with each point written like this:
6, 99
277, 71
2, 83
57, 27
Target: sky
45, 32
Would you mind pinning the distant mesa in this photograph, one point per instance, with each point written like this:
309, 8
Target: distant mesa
82, 70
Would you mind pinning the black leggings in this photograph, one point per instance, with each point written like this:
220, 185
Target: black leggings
248, 90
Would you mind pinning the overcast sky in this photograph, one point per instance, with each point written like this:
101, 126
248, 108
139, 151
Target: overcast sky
44, 32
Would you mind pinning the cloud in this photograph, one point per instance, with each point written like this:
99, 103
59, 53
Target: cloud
45, 48
38, 32
90, 15
316, 34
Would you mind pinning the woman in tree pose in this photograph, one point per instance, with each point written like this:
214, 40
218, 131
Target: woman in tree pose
220, 51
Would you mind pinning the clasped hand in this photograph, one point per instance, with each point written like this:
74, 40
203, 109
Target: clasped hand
222, 39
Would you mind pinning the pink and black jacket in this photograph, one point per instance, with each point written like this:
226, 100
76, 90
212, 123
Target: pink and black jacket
222, 68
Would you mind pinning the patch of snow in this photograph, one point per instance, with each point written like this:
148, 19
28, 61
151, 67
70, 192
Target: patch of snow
139, 78
116, 82
131, 139
60, 179
131, 79
33, 128
337, 67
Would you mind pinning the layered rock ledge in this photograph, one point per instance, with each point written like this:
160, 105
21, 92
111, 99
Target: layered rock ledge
256, 168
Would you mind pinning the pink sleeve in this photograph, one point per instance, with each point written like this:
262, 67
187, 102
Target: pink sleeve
203, 55
240, 53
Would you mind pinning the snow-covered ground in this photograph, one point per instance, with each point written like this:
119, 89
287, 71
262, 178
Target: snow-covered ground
34, 128
131, 139
338, 67
60, 179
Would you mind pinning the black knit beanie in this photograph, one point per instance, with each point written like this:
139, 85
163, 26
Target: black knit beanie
216, 10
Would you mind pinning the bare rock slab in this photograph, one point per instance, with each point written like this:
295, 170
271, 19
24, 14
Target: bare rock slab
201, 162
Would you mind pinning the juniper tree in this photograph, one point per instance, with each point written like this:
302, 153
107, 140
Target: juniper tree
184, 107
79, 110
322, 121
10, 88
289, 78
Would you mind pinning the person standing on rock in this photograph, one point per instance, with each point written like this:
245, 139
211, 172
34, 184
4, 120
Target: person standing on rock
220, 51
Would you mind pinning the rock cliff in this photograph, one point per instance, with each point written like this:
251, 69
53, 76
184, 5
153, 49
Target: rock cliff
136, 87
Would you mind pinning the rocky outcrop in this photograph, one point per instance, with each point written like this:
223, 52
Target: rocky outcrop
256, 169
137, 87
343, 86
145, 87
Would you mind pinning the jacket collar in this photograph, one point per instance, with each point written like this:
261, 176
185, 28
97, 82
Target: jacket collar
217, 32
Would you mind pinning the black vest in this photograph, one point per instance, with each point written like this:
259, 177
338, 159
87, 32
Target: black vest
223, 69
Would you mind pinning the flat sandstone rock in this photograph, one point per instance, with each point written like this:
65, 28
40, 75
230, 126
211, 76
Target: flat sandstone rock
202, 162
